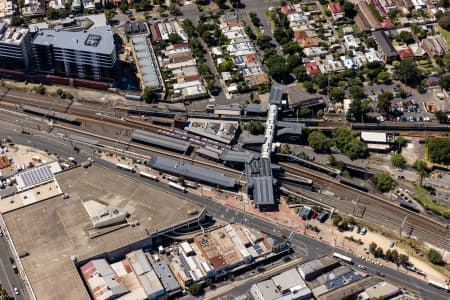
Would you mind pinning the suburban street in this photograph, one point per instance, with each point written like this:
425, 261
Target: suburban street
306, 247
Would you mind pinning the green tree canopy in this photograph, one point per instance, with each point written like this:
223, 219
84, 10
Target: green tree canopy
434, 256
337, 93
383, 182
300, 73
397, 160
439, 150
384, 102
255, 127
347, 142
407, 72
444, 20
278, 68
356, 92
444, 81
421, 169
319, 142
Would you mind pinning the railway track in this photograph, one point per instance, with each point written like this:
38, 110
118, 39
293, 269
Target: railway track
377, 210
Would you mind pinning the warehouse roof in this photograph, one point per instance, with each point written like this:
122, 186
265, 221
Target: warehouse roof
182, 168
160, 140
209, 153
166, 276
260, 181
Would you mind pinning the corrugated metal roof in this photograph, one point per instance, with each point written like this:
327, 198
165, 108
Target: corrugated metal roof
256, 108
160, 140
256, 139
34, 177
276, 93
235, 156
166, 276
49, 114
374, 137
146, 61
83, 139
187, 170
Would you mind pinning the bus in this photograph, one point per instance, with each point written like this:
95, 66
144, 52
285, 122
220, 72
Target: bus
177, 186
125, 167
438, 284
343, 257
149, 176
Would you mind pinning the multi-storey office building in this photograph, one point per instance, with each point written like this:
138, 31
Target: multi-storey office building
14, 48
88, 54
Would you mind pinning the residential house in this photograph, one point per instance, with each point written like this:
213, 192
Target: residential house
436, 45
337, 12
351, 42
312, 68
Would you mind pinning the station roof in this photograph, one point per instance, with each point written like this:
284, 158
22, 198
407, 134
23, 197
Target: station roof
49, 113
160, 140
188, 170
235, 156
83, 139
276, 94
256, 108
256, 139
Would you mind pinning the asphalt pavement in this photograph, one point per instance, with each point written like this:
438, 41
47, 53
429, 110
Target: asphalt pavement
308, 247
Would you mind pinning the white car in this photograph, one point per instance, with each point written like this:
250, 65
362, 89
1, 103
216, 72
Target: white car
16, 291
362, 267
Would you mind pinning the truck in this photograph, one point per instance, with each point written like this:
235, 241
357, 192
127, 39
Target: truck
343, 257
125, 167
149, 176
177, 186
437, 284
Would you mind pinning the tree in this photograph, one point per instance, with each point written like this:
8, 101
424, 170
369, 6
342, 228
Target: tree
388, 255
278, 69
40, 89
443, 3
123, 6
188, 26
180, 180
337, 93
17, 21
319, 142
309, 86
148, 95
384, 77
264, 41
356, 92
293, 61
444, 20
226, 66
401, 142
444, 81
196, 289
407, 72
69, 96
358, 109
174, 9
291, 47
347, 142
434, 256
405, 37
255, 127
52, 14
285, 149
403, 259
397, 160
320, 113
349, 10
378, 252
441, 116
59, 92
300, 73
438, 150
321, 81
384, 102
421, 169
372, 247
174, 38
337, 219
383, 182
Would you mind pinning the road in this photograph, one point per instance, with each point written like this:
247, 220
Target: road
8, 279
306, 247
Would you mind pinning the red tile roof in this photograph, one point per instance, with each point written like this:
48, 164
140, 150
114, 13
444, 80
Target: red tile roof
250, 57
4, 162
298, 35
335, 7
312, 68
235, 23
405, 53
288, 10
